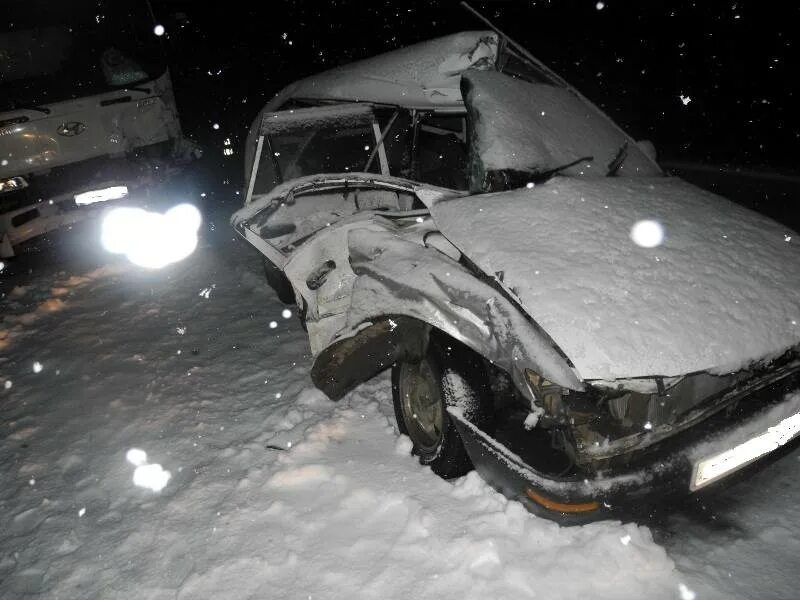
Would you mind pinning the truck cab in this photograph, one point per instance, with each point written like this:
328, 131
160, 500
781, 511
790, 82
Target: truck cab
87, 112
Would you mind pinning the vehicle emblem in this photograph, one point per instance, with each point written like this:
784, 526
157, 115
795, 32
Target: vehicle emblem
71, 128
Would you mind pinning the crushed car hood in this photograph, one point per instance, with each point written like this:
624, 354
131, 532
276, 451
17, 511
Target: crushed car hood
720, 291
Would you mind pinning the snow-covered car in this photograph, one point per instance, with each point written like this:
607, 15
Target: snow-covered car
87, 112
556, 311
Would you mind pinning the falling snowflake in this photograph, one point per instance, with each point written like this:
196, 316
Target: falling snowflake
286, 314
600, 5
136, 456
685, 592
152, 477
273, 324
37, 367
685, 99
647, 234
159, 30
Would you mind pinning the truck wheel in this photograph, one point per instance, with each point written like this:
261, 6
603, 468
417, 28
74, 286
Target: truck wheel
448, 375
278, 282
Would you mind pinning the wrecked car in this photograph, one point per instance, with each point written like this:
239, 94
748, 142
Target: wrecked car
556, 311
87, 113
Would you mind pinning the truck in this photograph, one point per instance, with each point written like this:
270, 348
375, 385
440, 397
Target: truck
87, 112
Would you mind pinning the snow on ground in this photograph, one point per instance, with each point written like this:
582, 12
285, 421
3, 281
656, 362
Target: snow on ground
744, 543
174, 378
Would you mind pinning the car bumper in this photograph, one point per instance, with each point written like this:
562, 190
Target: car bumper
664, 471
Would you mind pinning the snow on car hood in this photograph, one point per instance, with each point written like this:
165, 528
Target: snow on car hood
722, 290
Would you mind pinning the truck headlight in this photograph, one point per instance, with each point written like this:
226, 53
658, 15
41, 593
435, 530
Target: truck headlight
12, 183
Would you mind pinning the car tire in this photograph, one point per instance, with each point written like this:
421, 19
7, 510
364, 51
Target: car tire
278, 282
448, 375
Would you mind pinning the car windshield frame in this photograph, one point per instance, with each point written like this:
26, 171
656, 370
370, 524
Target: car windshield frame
340, 120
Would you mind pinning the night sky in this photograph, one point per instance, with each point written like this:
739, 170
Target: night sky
734, 63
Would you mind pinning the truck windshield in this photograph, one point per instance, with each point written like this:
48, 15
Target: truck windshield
54, 51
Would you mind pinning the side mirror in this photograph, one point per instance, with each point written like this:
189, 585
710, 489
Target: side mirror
648, 148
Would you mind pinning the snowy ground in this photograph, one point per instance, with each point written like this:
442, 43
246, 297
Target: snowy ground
275, 491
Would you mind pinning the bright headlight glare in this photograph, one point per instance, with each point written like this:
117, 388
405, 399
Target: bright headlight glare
12, 183
152, 240
120, 229
184, 216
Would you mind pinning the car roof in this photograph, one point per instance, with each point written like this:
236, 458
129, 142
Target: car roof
424, 75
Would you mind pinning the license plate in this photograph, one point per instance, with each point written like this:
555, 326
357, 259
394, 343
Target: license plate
716, 467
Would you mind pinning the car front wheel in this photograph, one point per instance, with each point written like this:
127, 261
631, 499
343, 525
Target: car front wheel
447, 375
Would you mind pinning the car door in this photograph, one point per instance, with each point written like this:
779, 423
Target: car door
303, 233
319, 269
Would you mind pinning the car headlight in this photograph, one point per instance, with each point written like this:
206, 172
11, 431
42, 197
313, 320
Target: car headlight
546, 392
12, 183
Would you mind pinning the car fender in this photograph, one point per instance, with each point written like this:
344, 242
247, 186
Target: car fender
402, 291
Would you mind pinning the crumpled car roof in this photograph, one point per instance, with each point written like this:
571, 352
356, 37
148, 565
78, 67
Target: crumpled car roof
424, 75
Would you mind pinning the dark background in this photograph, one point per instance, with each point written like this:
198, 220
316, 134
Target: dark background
735, 60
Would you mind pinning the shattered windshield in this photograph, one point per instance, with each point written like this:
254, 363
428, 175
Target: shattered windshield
419, 145
54, 51
525, 131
